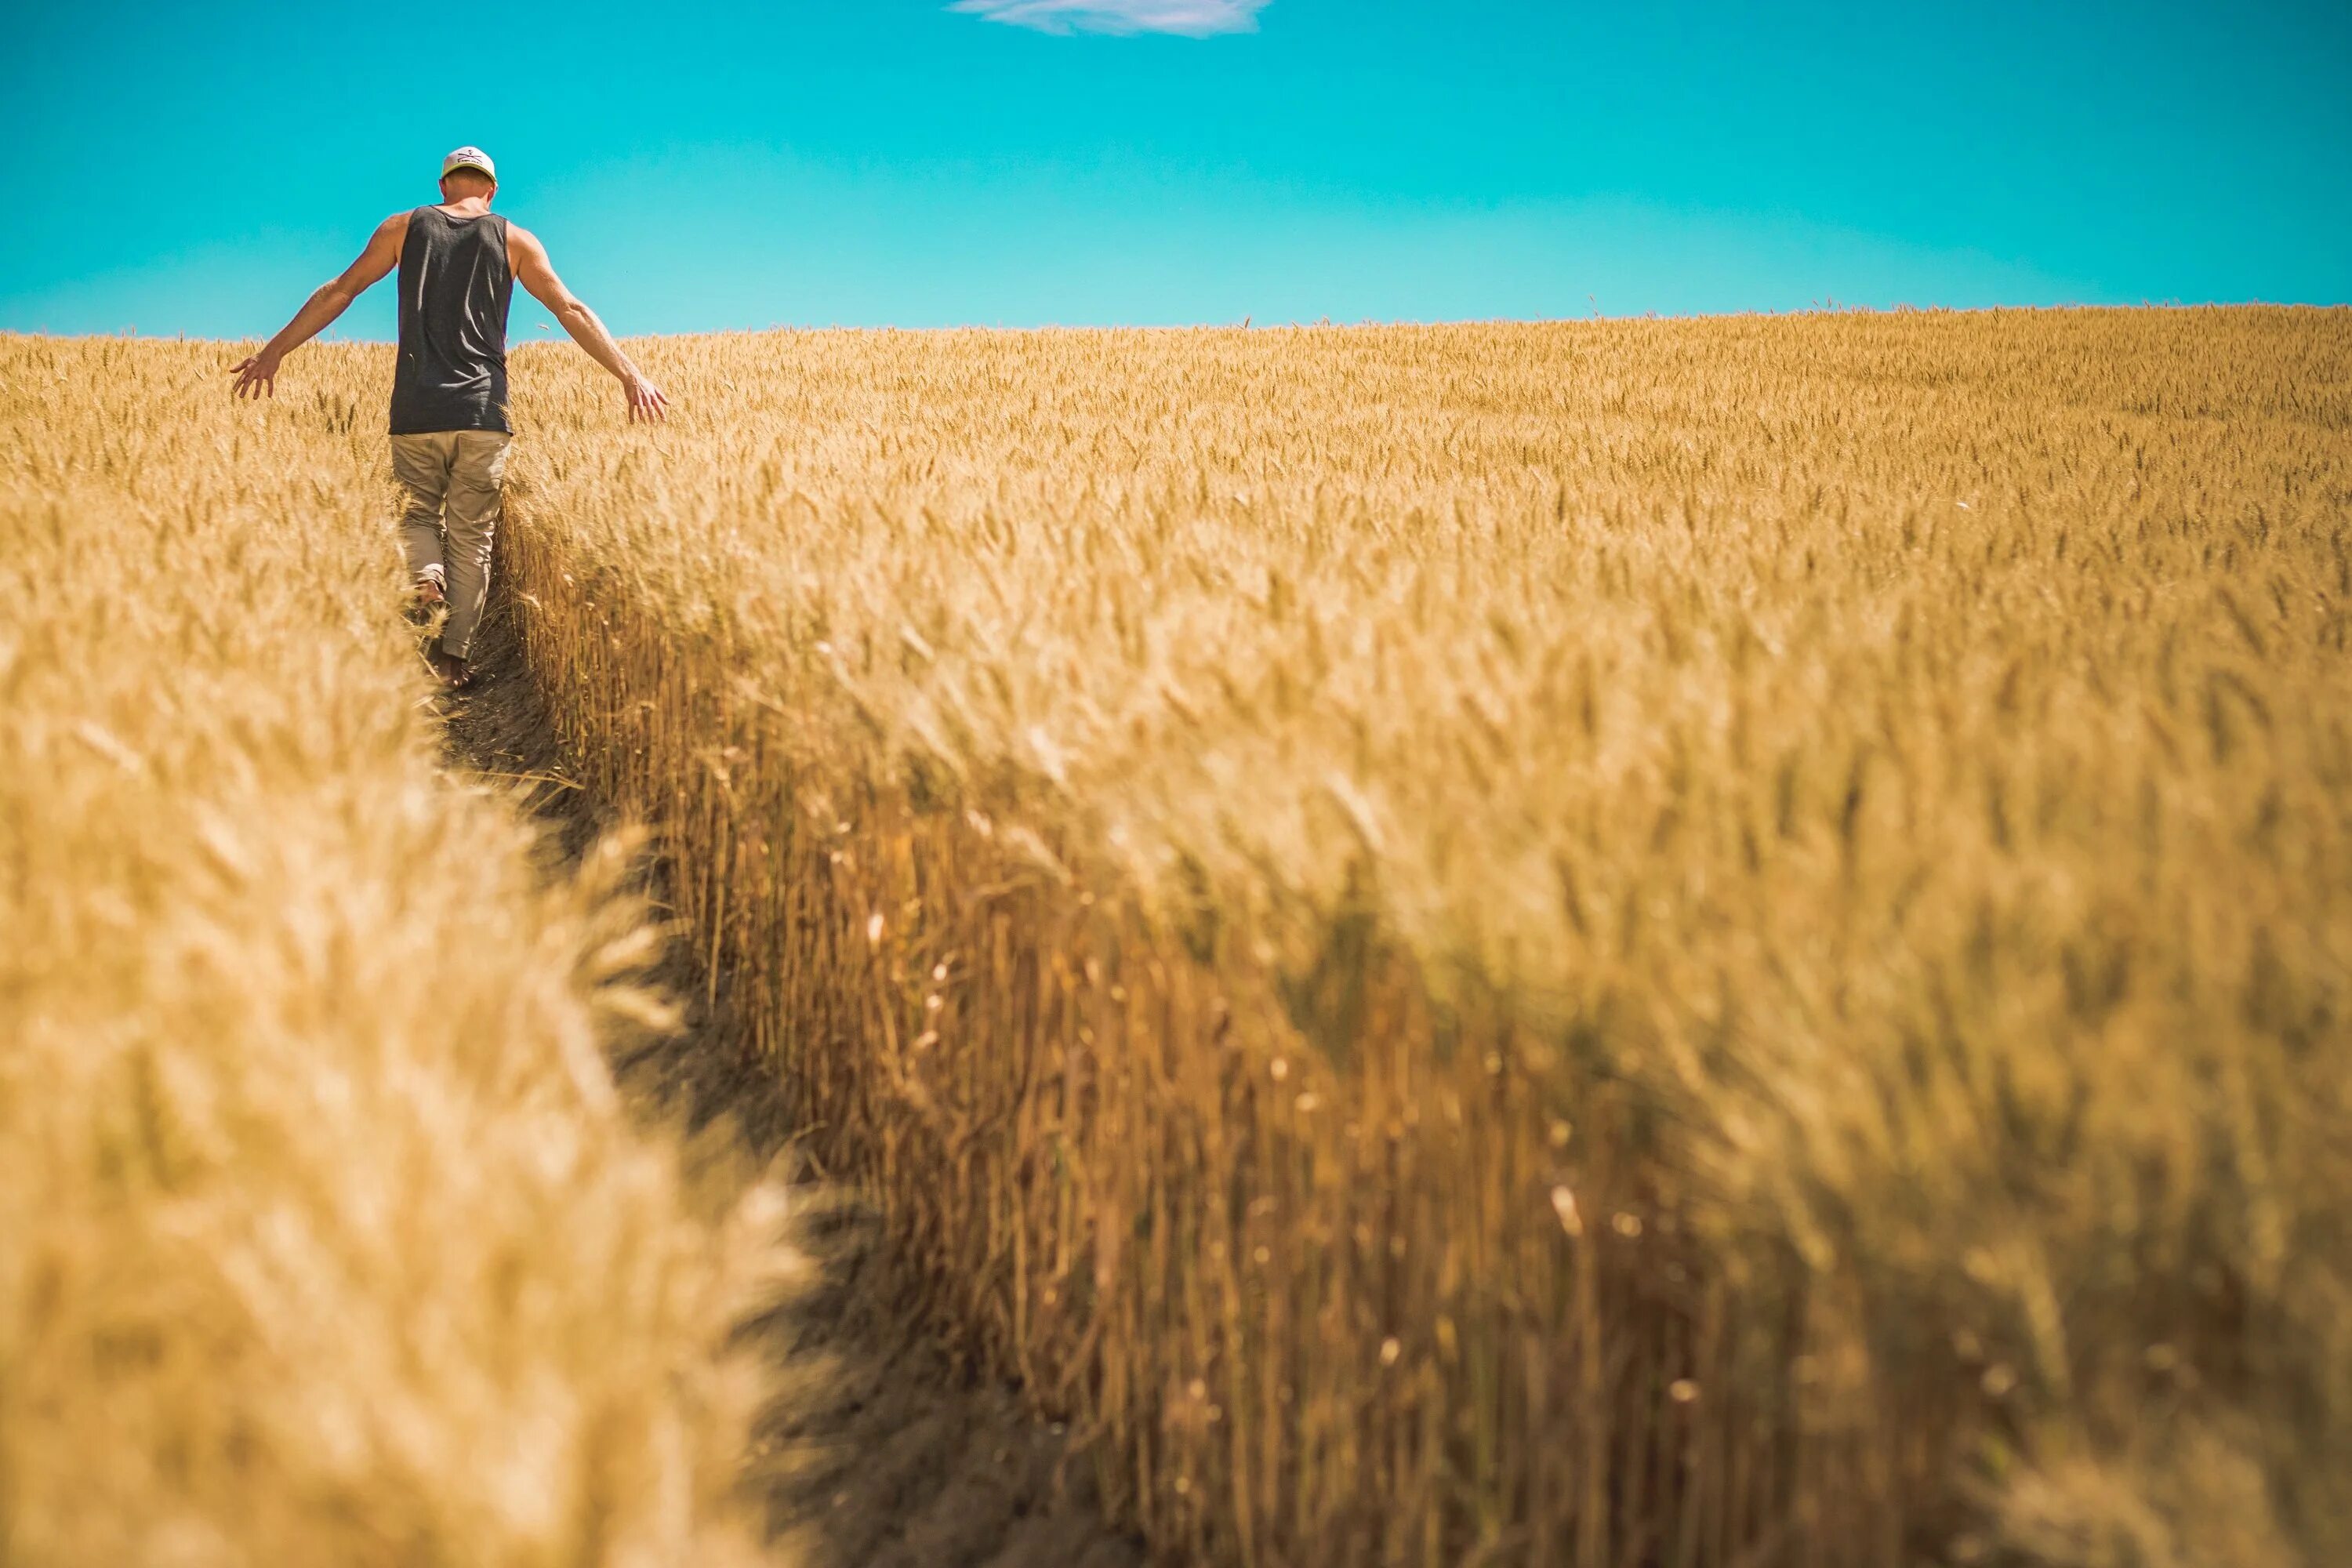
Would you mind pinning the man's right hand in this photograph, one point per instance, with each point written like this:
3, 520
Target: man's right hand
256, 376
645, 400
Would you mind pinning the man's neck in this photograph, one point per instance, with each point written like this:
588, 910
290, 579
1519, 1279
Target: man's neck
466, 207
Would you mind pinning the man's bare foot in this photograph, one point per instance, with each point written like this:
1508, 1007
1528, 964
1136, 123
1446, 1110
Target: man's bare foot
456, 674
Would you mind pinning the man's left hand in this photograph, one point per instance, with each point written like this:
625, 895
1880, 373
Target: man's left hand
645, 401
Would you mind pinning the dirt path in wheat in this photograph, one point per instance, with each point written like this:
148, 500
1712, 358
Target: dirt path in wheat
879, 1453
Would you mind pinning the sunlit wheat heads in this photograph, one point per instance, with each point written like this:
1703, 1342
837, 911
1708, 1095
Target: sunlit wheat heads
323, 1235
1684, 942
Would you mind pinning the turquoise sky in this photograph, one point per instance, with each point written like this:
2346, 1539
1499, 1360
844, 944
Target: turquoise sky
197, 168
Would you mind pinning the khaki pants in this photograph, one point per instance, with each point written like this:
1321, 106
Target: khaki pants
453, 479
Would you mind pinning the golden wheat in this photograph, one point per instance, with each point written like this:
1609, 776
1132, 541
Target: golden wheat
1687, 941
323, 1239
1655, 941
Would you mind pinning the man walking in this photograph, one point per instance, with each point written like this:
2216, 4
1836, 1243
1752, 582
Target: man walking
459, 263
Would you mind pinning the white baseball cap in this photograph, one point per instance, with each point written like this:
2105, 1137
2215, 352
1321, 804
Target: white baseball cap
469, 158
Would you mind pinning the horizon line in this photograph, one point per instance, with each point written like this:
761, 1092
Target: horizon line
131, 332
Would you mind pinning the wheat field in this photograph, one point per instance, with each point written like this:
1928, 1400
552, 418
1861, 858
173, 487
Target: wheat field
324, 1238
1697, 942
1693, 943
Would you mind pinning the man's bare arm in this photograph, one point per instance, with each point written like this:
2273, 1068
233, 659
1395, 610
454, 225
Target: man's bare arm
533, 270
258, 373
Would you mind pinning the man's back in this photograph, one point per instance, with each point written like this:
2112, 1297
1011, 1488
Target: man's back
455, 282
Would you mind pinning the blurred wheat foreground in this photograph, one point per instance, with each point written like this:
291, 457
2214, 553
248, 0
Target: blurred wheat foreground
1697, 942
323, 1236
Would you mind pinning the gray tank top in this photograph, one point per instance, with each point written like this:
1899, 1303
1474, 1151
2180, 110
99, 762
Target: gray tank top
455, 285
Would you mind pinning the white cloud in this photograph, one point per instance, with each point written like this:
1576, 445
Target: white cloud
1193, 19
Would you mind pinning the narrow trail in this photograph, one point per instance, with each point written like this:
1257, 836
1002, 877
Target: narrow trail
879, 1451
